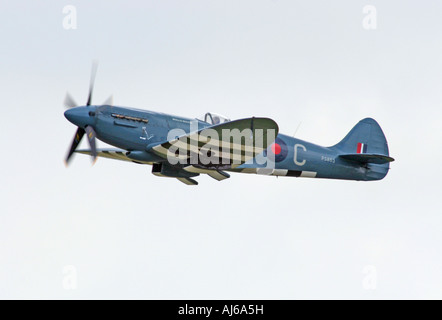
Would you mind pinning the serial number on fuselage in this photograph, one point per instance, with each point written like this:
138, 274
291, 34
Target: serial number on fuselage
328, 159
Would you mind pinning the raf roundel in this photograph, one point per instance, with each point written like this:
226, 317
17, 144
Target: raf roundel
279, 149
276, 148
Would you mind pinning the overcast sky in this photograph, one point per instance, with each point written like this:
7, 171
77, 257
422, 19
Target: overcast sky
116, 231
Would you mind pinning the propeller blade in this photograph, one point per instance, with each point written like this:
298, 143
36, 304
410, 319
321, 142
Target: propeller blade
109, 101
69, 102
78, 135
91, 138
91, 84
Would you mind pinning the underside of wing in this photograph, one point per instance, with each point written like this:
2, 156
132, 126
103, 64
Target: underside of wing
222, 146
161, 169
116, 154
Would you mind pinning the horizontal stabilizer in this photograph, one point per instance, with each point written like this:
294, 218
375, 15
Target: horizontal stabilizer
367, 158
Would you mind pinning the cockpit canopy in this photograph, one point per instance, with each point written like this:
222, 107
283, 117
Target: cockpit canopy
214, 118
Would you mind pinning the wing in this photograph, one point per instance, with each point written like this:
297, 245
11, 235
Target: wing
116, 154
228, 142
232, 143
120, 154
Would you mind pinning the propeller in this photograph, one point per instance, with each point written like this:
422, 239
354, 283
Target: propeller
69, 102
77, 138
109, 101
91, 138
92, 81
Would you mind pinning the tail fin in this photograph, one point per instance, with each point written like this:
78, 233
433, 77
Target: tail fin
366, 144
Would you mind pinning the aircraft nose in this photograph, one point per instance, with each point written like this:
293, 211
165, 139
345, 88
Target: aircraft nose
80, 116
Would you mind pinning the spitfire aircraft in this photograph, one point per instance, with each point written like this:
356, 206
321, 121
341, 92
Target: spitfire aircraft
184, 148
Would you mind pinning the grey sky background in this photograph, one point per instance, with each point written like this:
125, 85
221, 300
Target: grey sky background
130, 234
